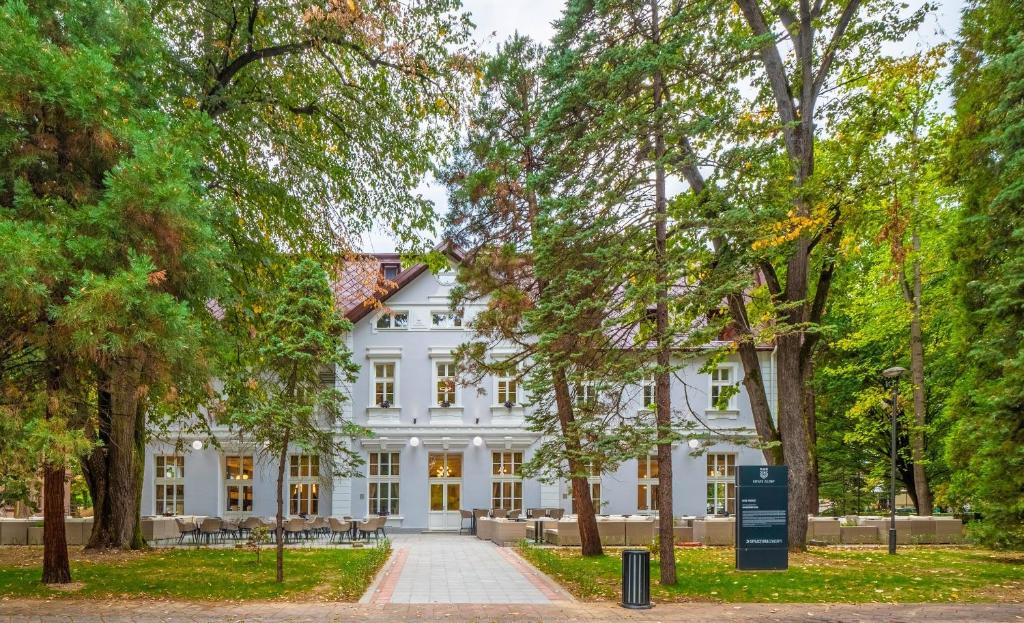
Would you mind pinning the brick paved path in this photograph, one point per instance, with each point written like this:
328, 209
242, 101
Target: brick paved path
67, 611
452, 569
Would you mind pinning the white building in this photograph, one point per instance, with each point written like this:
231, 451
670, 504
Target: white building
439, 448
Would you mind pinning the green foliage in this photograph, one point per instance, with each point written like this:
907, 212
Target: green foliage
274, 396
987, 443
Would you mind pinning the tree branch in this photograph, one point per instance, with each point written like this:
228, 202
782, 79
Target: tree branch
833, 45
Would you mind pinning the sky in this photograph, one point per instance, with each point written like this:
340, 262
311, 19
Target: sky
496, 20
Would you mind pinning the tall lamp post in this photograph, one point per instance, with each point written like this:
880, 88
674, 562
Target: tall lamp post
892, 378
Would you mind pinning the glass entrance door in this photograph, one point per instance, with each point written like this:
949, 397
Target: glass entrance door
445, 482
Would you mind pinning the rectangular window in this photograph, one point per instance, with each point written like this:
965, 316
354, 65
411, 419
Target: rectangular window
304, 484
169, 478
507, 386
446, 319
647, 483
586, 394
647, 397
721, 378
444, 383
238, 475
384, 384
721, 484
507, 480
383, 474
393, 320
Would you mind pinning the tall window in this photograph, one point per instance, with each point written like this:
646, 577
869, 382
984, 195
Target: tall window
721, 484
384, 384
647, 483
393, 320
446, 319
238, 483
506, 480
304, 485
169, 478
647, 398
507, 389
444, 383
721, 378
383, 480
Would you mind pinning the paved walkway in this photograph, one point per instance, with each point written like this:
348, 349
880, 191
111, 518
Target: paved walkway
453, 569
24, 611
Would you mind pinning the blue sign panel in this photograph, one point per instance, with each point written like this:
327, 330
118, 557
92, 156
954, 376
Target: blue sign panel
762, 507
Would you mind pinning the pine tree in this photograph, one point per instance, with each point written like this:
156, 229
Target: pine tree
276, 398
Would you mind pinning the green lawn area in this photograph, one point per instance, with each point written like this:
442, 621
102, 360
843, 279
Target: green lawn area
917, 574
198, 574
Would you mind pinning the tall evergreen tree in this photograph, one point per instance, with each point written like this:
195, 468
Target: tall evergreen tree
986, 446
276, 398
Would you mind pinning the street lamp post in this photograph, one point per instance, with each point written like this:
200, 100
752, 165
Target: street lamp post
892, 376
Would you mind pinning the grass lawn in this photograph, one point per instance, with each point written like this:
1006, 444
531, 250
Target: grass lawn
918, 574
197, 574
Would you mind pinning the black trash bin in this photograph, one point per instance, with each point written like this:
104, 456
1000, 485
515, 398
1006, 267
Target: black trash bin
636, 579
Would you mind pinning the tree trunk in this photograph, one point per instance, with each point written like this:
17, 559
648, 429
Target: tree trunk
115, 468
590, 540
94, 468
138, 541
923, 497
663, 399
810, 415
282, 459
795, 436
56, 566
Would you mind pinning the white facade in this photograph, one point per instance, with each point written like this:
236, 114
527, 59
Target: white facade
453, 447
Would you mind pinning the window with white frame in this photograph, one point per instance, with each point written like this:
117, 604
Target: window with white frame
507, 389
721, 484
393, 320
647, 483
169, 478
446, 319
586, 394
507, 480
238, 475
384, 375
647, 396
445, 383
383, 474
722, 380
304, 484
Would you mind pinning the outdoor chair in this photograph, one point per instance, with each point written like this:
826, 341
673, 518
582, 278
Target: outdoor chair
514, 514
368, 526
248, 525
294, 527
323, 527
186, 528
463, 516
230, 528
210, 529
556, 513
381, 522
498, 513
339, 529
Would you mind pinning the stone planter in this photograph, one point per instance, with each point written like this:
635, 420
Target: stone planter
35, 535
853, 535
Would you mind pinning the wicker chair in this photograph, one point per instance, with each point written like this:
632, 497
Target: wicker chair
295, 527
248, 524
463, 516
499, 513
514, 514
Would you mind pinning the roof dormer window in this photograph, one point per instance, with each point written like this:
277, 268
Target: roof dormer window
390, 271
